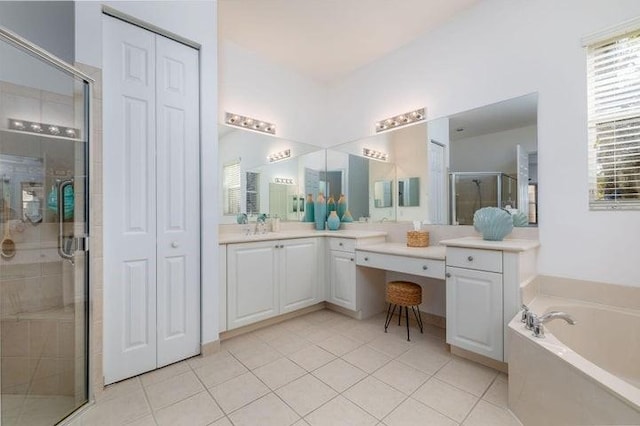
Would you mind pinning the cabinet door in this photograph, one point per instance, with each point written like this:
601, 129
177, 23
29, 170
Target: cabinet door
252, 285
474, 311
342, 291
298, 273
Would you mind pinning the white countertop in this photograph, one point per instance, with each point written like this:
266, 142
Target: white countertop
401, 249
228, 238
505, 245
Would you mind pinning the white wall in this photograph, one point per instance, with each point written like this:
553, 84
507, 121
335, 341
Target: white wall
251, 85
497, 50
495, 152
196, 21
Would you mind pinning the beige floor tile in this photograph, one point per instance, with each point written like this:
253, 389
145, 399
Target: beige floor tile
498, 393
401, 376
306, 394
446, 399
412, 413
239, 343
296, 325
316, 333
321, 316
266, 411
340, 345
224, 421
340, 411
119, 410
257, 355
503, 377
390, 344
339, 374
467, 375
219, 370
145, 421
164, 373
173, 390
375, 397
425, 359
487, 414
364, 332
367, 359
201, 361
238, 392
279, 372
118, 389
268, 334
198, 410
311, 357
289, 343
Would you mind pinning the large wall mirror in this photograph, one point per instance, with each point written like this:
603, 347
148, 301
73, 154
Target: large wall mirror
260, 173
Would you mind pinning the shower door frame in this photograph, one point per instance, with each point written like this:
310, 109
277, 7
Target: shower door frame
452, 190
39, 53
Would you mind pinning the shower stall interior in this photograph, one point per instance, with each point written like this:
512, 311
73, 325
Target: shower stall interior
44, 110
470, 191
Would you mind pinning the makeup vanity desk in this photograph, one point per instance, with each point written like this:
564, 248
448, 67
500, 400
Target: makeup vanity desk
422, 261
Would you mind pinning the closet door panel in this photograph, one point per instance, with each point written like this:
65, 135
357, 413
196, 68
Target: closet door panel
178, 198
129, 155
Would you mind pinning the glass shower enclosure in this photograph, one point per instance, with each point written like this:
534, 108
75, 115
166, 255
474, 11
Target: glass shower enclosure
470, 191
44, 128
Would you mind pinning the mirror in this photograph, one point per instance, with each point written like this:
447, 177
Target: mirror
434, 165
382, 193
255, 183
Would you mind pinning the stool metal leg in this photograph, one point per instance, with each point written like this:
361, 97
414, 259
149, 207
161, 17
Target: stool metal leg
389, 316
418, 317
406, 313
400, 316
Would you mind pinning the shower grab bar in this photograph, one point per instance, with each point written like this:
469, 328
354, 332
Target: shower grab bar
65, 246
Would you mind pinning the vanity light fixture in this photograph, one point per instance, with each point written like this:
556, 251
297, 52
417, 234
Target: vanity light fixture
42, 128
286, 181
277, 156
400, 120
376, 155
249, 123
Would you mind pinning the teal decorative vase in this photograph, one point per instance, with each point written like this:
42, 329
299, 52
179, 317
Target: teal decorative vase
52, 201
333, 222
346, 217
341, 206
520, 219
308, 209
493, 223
331, 205
320, 212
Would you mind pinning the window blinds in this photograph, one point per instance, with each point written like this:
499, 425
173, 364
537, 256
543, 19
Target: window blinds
613, 73
231, 188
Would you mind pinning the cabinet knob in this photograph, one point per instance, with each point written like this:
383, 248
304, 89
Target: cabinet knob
175, 244
470, 258
366, 259
352, 259
448, 275
340, 244
425, 267
281, 245
277, 246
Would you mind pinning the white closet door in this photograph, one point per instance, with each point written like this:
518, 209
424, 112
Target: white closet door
129, 152
178, 250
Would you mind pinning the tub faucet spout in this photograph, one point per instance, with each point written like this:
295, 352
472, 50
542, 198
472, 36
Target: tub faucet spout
538, 328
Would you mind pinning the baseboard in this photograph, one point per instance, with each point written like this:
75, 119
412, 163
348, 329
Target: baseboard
209, 348
271, 321
480, 359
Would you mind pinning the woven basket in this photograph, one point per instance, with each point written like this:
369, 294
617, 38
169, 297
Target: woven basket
417, 239
403, 293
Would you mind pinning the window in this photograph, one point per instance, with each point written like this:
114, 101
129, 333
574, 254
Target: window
253, 194
613, 68
231, 188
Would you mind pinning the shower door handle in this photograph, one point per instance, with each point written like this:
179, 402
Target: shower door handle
66, 245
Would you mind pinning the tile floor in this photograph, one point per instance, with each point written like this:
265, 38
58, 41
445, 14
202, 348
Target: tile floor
319, 369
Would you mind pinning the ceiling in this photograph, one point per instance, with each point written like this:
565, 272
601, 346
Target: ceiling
327, 39
506, 115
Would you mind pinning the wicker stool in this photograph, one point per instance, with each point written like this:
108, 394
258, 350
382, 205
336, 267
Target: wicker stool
403, 294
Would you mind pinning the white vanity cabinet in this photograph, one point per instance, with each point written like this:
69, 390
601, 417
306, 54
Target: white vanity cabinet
342, 281
483, 281
268, 278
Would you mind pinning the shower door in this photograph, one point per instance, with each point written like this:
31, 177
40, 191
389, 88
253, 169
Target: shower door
43, 221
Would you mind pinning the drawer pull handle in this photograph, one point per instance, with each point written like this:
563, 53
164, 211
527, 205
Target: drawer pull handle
277, 246
470, 258
340, 244
352, 259
366, 259
448, 275
425, 267
281, 245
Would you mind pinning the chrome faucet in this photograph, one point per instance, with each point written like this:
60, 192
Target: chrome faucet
538, 328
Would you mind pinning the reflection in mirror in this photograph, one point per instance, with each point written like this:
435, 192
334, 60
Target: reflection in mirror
409, 192
253, 184
382, 193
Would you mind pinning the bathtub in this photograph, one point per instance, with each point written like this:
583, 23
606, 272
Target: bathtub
586, 374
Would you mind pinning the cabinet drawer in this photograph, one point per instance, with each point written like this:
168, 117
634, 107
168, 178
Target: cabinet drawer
409, 265
482, 260
342, 244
